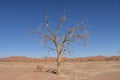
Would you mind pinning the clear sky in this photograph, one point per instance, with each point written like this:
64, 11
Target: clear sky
20, 16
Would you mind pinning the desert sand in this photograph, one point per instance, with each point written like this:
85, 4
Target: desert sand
92, 70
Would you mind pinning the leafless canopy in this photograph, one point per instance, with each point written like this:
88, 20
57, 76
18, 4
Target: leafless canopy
60, 41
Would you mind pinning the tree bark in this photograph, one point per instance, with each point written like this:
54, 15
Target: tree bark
58, 63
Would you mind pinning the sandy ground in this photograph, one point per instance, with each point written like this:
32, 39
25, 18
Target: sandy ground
70, 71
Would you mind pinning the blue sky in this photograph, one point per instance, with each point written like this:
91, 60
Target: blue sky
17, 17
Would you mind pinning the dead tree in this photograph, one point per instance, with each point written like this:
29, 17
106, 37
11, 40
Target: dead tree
61, 41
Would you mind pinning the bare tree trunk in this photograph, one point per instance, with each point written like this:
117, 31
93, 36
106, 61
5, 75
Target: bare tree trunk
58, 64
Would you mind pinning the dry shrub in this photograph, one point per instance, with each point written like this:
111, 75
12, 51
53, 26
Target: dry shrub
40, 68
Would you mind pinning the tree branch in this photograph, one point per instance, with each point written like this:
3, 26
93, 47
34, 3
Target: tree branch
49, 48
47, 23
62, 20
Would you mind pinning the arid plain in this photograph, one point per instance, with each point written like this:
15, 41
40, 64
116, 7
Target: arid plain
88, 70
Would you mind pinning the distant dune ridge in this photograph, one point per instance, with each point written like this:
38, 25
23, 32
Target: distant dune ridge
53, 59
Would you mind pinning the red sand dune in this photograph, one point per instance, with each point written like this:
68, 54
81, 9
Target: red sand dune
52, 59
